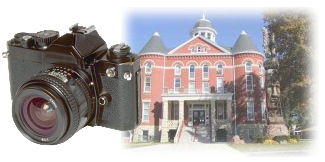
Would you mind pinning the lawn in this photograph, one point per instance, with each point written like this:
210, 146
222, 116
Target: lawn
250, 147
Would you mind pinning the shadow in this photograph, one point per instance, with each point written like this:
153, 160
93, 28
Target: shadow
157, 111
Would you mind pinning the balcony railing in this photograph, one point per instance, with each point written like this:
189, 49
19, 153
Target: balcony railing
171, 124
192, 91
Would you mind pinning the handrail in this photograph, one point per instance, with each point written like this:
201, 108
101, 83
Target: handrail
179, 131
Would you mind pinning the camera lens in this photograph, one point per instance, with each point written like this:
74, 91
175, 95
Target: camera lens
40, 115
50, 108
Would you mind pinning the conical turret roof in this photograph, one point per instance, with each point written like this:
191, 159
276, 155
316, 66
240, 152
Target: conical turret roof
244, 43
154, 45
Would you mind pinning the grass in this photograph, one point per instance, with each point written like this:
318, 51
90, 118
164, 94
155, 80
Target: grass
257, 147
136, 145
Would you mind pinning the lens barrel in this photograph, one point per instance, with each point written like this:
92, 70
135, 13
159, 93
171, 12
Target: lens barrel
52, 106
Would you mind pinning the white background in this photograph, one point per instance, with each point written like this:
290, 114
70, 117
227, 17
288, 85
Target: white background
102, 144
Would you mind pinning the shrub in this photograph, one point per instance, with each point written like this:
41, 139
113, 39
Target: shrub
293, 141
295, 137
260, 138
269, 141
281, 138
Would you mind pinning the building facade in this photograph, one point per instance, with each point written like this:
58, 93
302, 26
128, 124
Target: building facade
201, 89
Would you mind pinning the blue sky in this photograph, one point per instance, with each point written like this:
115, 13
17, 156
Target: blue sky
174, 26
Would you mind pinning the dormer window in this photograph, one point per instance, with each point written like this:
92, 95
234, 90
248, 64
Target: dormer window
203, 34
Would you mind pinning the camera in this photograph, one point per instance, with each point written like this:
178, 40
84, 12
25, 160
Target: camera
60, 84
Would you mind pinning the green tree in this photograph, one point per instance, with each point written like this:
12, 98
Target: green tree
293, 47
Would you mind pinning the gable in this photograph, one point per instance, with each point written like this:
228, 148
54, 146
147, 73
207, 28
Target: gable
197, 45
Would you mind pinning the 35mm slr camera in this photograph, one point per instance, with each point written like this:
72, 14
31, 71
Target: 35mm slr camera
62, 84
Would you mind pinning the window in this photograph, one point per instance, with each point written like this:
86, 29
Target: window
199, 49
221, 112
219, 69
192, 72
250, 110
148, 68
220, 87
196, 34
205, 87
209, 35
178, 70
177, 84
176, 110
205, 71
261, 68
251, 133
191, 87
249, 82
145, 112
248, 66
203, 34
261, 82
145, 135
147, 84
263, 109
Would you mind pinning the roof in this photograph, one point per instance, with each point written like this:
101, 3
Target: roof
244, 43
154, 45
203, 23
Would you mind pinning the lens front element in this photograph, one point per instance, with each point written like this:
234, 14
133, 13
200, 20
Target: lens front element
40, 115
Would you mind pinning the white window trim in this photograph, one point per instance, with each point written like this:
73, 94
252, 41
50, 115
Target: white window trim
223, 85
145, 121
217, 69
253, 119
180, 84
203, 87
180, 70
189, 72
262, 83
205, 78
248, 71
146, 69
145, 82
249, 90
189, 89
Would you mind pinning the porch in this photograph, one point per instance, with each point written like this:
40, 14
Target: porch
210, 110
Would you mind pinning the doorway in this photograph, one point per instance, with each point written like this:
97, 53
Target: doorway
199, 117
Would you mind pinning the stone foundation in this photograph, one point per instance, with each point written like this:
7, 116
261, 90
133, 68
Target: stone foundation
273, 130
153, 134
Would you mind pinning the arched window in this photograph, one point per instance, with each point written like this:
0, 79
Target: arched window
148, 68
178, 70
249, 66
205, 71
192, 72
220, 69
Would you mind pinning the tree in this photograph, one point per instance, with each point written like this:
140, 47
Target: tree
293, 47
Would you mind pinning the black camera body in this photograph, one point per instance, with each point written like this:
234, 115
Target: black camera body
61, 84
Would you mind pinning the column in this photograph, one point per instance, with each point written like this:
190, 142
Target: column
181, 110
164, 131
229, 117
213, 120
229, 110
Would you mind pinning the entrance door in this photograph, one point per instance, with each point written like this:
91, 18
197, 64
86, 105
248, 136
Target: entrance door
198, 117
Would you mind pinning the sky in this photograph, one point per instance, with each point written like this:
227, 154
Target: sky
174, 26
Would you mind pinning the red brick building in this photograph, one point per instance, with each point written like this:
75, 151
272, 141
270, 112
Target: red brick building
201, 89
